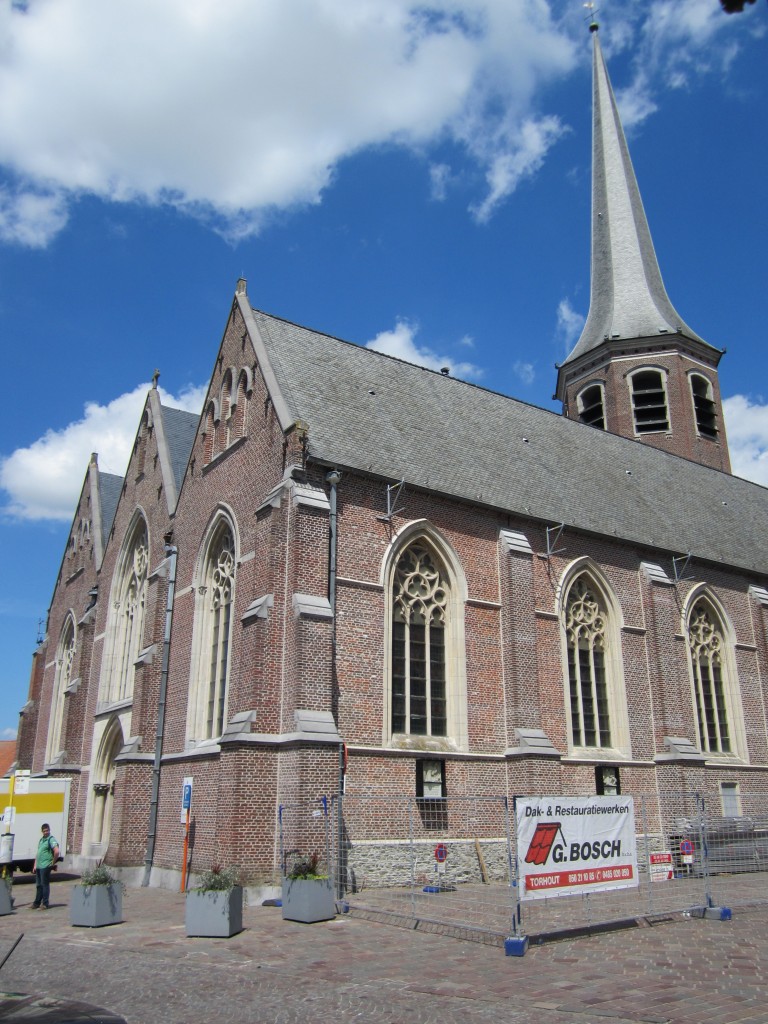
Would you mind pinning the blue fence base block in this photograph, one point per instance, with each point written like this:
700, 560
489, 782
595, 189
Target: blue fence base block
712, 913
516, 945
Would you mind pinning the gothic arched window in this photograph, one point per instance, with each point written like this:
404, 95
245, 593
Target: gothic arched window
65, 656
706, 643
587, 642
126, 628
419, 607
215, 599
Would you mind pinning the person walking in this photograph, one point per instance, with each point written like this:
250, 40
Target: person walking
45, 860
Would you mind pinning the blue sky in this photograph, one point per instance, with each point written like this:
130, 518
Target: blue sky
414, 176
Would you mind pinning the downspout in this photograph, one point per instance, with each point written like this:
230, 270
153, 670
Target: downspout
171, 553
333, 479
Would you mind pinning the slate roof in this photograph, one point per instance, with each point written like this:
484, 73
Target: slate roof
374, 413
110, 488
180, 431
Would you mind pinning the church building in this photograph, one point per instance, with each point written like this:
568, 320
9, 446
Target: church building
354, 573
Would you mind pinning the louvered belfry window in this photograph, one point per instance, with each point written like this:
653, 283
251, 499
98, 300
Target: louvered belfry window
703, 406
649, 402
420, 598
585, 627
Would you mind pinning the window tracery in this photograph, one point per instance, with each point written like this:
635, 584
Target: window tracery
586, 636
127, 617
215, 597
65, 657
706, 644
419, 599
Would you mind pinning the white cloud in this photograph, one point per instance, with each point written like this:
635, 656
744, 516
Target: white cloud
746, 425
569, 324
439, 178
674, 43
31, 218
8, 734
230, 110
43, 481
516, 155
525, 371
400, 343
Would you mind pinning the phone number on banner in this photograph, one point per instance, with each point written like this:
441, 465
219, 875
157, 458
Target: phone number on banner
562, 879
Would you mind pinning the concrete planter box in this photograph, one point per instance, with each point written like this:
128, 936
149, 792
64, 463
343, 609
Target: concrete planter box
94, 906
308, 900
6, 897
216, 914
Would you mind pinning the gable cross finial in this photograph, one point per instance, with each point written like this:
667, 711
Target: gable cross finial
155, 379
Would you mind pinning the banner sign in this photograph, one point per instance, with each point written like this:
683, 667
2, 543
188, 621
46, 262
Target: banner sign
568, 845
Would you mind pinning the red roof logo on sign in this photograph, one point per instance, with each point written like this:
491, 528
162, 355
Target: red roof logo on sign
542, 842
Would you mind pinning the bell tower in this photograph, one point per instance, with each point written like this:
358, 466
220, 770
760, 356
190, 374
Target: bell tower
638, 369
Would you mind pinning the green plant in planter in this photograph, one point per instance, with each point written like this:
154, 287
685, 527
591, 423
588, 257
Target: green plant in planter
99, 875
97, 900
218, 879
214, 908
307, 892
307, 867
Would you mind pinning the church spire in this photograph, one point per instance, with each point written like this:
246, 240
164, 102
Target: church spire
628, 298
638, 369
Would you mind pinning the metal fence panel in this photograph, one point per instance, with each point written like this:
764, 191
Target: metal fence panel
452, 863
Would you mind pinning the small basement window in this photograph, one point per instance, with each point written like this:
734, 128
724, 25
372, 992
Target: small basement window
431, 793
730, 800
607, 781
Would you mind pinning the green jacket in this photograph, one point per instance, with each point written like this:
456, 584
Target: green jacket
45, 849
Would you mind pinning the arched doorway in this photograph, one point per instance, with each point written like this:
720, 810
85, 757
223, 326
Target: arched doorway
103, 787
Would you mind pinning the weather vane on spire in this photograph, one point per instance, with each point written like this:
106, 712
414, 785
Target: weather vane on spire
590, 7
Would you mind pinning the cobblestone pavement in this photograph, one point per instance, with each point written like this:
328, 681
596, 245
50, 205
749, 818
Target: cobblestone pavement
683, 971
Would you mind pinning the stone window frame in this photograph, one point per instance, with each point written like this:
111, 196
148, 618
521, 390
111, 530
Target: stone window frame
618, 717
66, 652
704, 407
456, 738
663, 377
731, 708
208, 694
585, 415
125, 631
